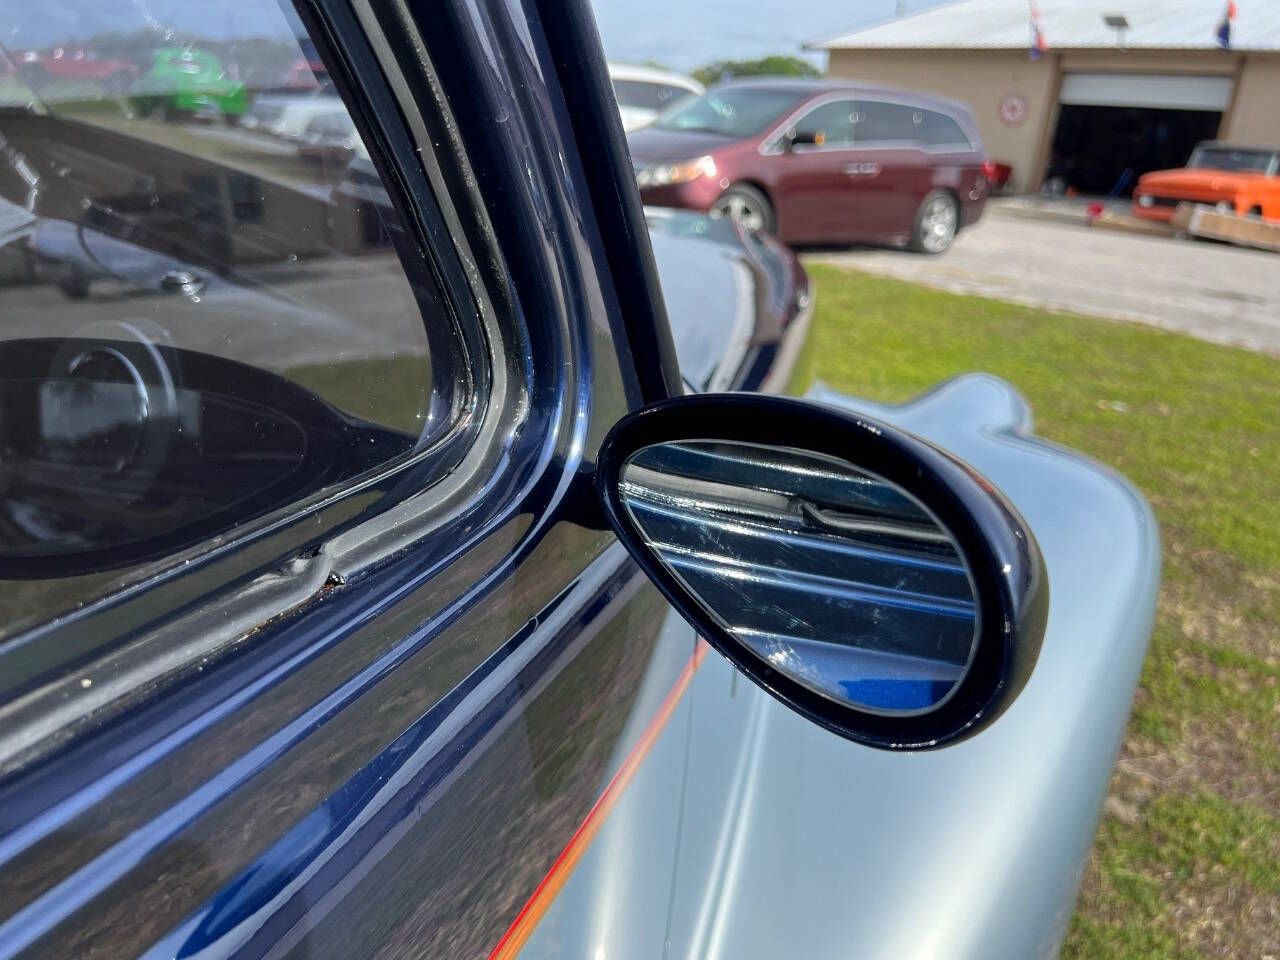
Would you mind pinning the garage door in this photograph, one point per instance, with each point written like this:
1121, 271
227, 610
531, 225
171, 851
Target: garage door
1154, 91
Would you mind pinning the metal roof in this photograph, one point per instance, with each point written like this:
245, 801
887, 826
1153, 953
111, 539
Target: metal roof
1070, 24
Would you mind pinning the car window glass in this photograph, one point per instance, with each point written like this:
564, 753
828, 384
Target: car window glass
646, 95
730, 112
935, 129
1232, 159
206, 320
878, 122
830, 124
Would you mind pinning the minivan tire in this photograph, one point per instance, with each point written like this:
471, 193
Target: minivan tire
936, 224
747, 206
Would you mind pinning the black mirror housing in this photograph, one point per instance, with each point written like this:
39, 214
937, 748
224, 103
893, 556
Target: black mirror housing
803, 138
834, 560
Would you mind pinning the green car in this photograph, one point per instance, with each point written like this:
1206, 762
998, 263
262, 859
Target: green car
185, 83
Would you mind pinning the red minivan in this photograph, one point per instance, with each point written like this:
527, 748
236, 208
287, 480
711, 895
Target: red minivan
819, 162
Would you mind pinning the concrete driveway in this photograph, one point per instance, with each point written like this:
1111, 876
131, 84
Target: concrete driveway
1220, 293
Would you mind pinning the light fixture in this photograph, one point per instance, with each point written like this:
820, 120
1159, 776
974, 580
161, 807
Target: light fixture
1119, 23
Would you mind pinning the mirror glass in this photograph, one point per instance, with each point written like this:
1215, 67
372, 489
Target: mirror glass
834, 577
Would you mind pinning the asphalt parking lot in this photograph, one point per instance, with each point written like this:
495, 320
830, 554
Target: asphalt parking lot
1219, 293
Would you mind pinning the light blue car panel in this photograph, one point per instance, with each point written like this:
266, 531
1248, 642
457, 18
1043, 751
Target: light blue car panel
794, 842
974, 851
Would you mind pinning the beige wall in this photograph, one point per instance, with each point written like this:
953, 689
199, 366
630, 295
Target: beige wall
982, 79
979, 79
1221, 62
1255, 112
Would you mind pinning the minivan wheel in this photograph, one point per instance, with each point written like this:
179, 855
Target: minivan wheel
936, 223
746, 206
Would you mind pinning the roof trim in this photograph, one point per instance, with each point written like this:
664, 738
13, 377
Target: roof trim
1067, 25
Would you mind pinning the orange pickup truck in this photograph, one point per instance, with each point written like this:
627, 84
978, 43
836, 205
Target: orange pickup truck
1233, 178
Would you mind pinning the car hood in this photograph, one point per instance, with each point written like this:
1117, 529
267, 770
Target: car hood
710, 298
1209, 181
654, 145
728, 296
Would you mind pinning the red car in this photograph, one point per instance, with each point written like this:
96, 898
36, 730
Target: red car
819, 162
38, 67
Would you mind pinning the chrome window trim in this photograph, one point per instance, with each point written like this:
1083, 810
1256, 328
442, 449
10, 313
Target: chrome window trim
224, 611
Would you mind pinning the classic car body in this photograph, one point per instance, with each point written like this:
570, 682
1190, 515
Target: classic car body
1234, 178
434, 709
733, 297
38, 67
182, 82
288, 116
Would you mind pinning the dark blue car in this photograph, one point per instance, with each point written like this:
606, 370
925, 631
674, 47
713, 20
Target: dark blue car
383, 571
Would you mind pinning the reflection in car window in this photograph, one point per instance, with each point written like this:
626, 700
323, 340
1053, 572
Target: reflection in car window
878, 122
204, 323
938, 130
830, 124
732, 112
645, 95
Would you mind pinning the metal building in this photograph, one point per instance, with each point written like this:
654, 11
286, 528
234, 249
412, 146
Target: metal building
1093, 91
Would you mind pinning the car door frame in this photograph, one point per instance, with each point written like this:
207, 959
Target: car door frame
577, 289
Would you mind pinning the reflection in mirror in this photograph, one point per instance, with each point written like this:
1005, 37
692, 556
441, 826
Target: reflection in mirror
833, 577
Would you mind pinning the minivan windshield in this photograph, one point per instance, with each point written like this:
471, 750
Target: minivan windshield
1235, 160
735, 112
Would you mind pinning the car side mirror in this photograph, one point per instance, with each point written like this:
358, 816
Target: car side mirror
807, 138
864, 577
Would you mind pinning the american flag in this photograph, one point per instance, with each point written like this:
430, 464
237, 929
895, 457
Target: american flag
1038, 42
1223, 33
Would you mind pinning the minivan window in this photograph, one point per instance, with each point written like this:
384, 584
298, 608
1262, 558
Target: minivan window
939, 130
731, 112
204, 326
827, 125
879, 122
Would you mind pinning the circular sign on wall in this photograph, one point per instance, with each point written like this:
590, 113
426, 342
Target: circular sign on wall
1013, 109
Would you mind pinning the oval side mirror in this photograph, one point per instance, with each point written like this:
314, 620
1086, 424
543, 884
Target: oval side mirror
861, 575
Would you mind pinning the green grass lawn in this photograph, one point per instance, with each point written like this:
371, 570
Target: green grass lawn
1187, 860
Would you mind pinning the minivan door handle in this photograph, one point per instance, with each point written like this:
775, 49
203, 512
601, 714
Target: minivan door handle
866, 168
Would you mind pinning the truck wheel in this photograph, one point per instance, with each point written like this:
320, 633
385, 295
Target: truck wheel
936, 224
747, 207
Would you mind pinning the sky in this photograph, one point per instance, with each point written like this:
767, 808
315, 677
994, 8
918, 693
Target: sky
684, 34
33, 24
681, 34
